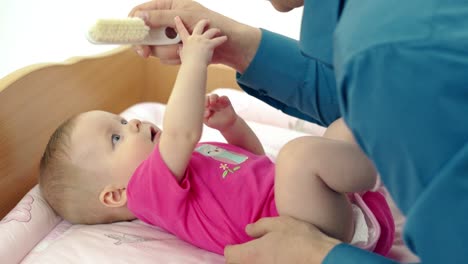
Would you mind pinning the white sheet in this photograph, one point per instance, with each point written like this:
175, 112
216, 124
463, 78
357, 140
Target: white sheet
34, 231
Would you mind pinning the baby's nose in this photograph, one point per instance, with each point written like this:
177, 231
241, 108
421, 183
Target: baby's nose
135, 125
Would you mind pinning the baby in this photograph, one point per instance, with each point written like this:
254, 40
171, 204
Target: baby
101, 168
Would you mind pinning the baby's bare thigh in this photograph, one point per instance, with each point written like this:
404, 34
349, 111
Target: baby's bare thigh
300, 192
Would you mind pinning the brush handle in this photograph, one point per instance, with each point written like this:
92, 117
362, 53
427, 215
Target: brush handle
161, 36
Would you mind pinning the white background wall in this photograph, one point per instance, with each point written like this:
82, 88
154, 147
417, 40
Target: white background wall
36, 31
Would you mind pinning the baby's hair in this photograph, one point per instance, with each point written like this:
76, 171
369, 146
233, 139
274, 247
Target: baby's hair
61, 181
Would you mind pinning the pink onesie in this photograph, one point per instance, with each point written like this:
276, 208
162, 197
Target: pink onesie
224, 189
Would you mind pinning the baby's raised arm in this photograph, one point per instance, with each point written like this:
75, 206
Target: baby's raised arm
183, 119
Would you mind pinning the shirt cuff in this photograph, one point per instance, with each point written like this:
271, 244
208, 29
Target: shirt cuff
345, 253
277, 68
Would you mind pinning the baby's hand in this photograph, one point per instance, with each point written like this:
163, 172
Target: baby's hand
200, 45
219, 113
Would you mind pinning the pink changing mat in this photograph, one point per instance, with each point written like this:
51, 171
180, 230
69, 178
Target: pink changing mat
33, 233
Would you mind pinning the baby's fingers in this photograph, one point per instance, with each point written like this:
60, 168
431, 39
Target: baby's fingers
210, 33
224, 101
207, 114
218, 103
183, 33
218, 41
200, 27
212, 99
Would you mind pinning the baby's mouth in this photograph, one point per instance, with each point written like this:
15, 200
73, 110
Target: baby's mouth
153, 133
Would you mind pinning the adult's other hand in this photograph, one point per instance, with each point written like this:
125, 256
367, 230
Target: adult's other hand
281, 240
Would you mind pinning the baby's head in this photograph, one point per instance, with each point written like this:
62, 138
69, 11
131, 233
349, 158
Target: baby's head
88, 162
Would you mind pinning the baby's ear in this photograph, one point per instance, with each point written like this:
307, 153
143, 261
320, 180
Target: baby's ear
113, 196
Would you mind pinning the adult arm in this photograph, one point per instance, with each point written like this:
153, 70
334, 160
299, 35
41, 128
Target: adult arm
271, 67
405, 97
411, 121
344, 253
284, 77
287, 240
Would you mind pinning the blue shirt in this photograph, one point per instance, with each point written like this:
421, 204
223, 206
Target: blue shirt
397, 71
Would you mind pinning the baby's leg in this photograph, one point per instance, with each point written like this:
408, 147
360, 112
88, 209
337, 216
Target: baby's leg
313, 175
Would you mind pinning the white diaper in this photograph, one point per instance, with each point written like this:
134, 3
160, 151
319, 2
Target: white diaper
361, 230
366, 227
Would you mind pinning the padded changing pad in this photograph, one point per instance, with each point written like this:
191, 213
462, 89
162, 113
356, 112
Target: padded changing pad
32, 233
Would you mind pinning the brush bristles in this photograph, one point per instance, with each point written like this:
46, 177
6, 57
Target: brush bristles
119, 30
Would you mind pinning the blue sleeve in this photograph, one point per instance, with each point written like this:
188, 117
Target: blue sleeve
407, 106
283, 77
344, 253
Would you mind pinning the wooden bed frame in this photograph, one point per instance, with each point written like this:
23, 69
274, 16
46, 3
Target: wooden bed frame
36, 99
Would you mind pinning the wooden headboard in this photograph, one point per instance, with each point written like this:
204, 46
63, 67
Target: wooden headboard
36, 99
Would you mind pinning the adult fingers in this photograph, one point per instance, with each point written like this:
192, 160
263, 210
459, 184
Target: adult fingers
171, 62
157, 18
264, 226
165, 53
236, 254
143, 51
152, 5
162, 5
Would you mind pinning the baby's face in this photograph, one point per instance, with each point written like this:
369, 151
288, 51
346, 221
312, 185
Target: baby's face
111, 146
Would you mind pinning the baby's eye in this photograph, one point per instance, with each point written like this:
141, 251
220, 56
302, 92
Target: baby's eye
123, 122
115, 139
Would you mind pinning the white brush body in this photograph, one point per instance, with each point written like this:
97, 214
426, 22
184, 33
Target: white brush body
129, 31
